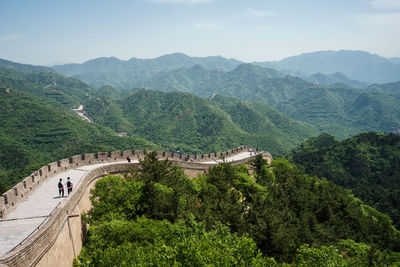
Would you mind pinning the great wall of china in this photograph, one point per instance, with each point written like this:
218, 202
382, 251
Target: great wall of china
37, 228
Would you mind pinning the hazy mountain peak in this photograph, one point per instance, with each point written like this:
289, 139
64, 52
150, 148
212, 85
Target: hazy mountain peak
357, 65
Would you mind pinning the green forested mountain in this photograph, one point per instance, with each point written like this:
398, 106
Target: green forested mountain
34, 132
182, 121
338, 109
357, 65
392, 89
272, 216
247, 82
49, 86
126, 74
368, 164
334, 78
344, 111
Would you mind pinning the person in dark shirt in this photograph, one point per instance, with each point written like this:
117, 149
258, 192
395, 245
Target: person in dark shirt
60, 189
69, 185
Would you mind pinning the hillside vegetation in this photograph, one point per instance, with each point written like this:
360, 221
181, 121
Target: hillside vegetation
337, 109
344, 111
247, 82
368, 164
184, 122
334, 78
51, 87
34, 133
158, 216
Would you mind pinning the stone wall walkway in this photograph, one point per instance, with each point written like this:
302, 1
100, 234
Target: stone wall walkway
32, 211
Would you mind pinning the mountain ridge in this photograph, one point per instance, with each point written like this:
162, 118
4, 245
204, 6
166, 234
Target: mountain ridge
357, 65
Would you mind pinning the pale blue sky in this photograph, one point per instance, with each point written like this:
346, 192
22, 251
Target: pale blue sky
45, 32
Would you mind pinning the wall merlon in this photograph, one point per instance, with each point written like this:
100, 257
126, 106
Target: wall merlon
53, 167
127, 153
27, 182
90, 158
116, 155
43, 172
10, 199
138, 154
64, 164
75, 161
102, 156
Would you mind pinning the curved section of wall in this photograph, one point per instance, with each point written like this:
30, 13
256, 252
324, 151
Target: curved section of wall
31, 252
12, 197
60, 238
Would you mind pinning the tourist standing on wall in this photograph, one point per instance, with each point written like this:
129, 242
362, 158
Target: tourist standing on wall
69, 185
60, 188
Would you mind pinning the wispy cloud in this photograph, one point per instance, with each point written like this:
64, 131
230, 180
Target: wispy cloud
10, 37
386, 4
260, 13
192, 2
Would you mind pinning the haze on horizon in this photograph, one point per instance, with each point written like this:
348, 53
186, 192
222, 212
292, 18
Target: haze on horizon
50, 32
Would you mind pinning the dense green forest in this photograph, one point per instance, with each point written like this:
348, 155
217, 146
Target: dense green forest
368, 164
185, 122
266, 216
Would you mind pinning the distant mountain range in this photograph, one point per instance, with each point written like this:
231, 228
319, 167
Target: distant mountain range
357, 65
124, 74
355, 68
